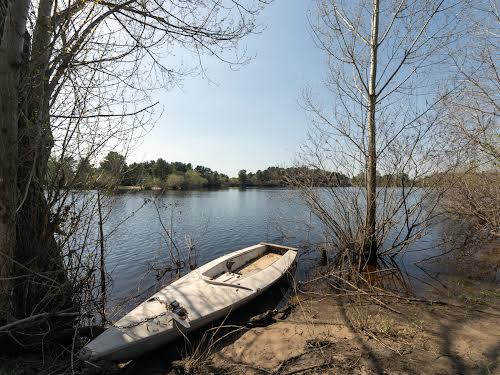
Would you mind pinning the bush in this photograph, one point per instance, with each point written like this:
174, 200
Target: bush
150, 182
475, 195
175, 181
193, 179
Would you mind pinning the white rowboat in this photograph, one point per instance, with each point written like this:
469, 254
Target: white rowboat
200, 297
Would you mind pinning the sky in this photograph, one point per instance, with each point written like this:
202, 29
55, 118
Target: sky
249, 118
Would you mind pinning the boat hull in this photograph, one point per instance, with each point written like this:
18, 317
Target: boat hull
202, 294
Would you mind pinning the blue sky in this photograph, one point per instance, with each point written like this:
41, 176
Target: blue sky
250, 118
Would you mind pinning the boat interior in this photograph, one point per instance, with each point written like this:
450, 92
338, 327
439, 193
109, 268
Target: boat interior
245, 264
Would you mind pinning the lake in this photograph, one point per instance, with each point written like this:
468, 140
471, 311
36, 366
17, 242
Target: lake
216, 222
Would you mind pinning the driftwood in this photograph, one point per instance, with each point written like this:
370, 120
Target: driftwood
68, 334
35, 320
34, 331
267, 318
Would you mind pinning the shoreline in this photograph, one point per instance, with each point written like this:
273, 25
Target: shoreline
450, 331
123, 188
453, 330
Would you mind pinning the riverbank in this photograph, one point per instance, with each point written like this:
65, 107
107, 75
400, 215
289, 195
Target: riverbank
450, 329
121, 188
328, 335
453, 329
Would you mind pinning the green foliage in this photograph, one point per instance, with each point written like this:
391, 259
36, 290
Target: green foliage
214, 179
359, 179
135, 174
243, 178
181, 167
61, 171
162, 169
175, 181
114, 168
177, 175
233, 181
113, 163
396, 179
193, 179
150, 182
84, 174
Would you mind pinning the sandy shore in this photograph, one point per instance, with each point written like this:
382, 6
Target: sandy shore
354, 335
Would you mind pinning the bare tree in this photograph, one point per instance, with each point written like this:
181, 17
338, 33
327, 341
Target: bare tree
12, 26
385, 79
85, 88
472, 125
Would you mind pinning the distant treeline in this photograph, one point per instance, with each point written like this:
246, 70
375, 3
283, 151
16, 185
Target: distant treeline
114, 171
276, 176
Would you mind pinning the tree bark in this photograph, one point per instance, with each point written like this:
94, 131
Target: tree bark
370, 245
12, 29
42, 287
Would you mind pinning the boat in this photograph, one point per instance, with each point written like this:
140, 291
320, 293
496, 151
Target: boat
204, 295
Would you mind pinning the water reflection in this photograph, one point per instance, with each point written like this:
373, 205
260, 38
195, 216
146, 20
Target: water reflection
217, 222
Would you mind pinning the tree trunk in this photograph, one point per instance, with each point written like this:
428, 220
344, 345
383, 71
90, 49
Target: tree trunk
12, 30
42, 288
370, 245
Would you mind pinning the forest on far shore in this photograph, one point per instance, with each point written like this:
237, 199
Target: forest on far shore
113, 172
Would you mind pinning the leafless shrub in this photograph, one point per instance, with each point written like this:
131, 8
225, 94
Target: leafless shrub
472, 123
475, 196
198, 355
77, 79
182, 256
382, 129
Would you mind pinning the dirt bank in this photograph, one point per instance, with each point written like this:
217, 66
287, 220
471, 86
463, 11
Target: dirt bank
355, 335
332, 334
325, 335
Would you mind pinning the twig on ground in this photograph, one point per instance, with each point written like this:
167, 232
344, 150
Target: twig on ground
35, 319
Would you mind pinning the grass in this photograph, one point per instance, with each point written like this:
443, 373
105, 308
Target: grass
375, 322
19, 365
479, 297
386, 326
10, 371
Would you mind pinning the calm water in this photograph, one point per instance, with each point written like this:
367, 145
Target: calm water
217, 222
